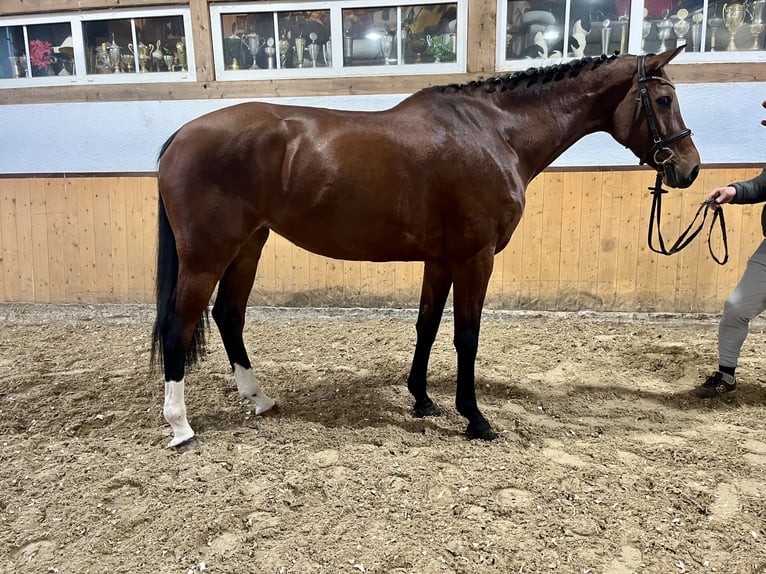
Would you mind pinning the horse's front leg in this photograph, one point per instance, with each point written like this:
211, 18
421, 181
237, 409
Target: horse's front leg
471, 279
436, 285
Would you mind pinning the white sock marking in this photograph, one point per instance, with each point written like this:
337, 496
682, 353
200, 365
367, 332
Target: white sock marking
249, 389
175, 412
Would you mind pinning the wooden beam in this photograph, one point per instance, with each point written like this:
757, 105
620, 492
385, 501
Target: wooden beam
203, 42
481, 36
16, 7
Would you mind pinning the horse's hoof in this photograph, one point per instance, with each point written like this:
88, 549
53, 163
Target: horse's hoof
191, 444
480, 432
426, 410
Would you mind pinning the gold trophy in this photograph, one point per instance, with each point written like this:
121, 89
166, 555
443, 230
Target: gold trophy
681, 27
756, 25
733, 18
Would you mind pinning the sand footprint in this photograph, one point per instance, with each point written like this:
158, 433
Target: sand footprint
628, 562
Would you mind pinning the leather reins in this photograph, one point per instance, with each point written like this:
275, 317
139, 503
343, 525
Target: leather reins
660, 147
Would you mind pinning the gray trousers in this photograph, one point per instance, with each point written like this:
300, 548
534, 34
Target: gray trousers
747, 301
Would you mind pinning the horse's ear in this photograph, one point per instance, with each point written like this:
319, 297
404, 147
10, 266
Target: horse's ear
656, 61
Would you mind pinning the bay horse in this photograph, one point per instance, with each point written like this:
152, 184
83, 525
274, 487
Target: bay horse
438, 178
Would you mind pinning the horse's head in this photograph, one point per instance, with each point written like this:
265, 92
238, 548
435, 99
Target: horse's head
648, 121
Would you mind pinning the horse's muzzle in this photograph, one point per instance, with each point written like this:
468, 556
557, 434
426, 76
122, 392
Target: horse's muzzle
675, 176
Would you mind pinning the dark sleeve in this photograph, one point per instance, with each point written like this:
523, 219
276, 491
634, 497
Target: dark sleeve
752, 190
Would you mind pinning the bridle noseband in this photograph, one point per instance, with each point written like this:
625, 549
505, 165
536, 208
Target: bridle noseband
660, 146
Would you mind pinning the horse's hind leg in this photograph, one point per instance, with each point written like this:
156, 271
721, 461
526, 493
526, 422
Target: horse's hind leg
437, 281
229, 314
471, 280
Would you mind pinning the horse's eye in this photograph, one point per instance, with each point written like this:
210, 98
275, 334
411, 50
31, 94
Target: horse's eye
664, 101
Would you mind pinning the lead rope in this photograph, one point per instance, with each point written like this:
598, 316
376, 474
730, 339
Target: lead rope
685, 238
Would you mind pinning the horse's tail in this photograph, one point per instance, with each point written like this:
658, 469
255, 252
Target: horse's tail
166, 283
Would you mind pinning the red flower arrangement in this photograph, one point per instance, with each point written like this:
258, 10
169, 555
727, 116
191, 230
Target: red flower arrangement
40, 53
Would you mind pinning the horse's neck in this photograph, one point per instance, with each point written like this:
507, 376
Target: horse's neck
551, 118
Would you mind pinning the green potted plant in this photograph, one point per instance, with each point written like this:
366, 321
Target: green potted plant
439, 50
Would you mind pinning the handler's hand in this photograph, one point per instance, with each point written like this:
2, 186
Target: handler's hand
721, 195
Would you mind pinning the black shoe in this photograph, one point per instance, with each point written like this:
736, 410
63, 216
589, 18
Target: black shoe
715, 385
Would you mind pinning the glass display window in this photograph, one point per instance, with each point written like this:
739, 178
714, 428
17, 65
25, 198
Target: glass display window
115, 46
554, 29
270, 39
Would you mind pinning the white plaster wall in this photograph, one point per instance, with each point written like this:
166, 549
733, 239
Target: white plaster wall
126, 136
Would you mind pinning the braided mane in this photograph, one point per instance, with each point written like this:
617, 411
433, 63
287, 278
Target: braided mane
531, 76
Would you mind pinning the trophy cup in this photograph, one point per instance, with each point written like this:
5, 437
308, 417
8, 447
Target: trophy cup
579, 34
756, 25
664, 28
128, 60
327, 52
681, 27
270, 51
169, 62
606, 34
646, 29
300, 46
253, 42
284, 48
696, 31
313, 49
114, 56
348, 48
157, 56
733, 18
714, 23
623, 22
181, 53
387, 44
102, 59
143, 54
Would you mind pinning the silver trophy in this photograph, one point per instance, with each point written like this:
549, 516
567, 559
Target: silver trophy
733, 18
313, 49
270, 50
646, 29
696, 31
715, 22
386, 45
664, 29
606, 35
756, 22
327, 52
284, 49
300, 46
114, 55
253, 42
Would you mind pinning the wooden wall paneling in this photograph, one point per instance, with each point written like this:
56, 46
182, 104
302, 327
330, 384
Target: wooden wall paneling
57, 238
102, 234
688, 260
629, 236
385, 280
86, 237
590, 221
149, 212
665, 286
203, 45
531, 250
406, 281
317, 269
707, 271
24, 235
608, 236
511, 258
481, 35
283, 277
70, 211
550, 245
300, 276
118, 194
264, 285
647, 261
352, 282
9, 257
571, 215
137, 259
39, 228
728, 275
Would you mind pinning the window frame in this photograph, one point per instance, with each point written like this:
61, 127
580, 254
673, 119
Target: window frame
81, 75
634, 42
338, 70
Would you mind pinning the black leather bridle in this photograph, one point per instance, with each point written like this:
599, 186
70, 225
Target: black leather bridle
660, 147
